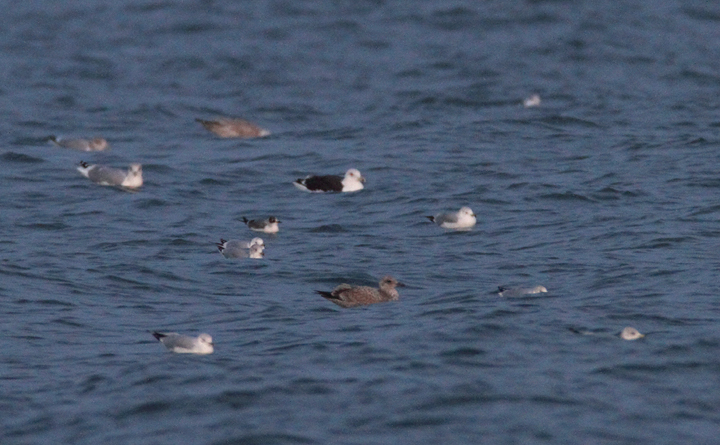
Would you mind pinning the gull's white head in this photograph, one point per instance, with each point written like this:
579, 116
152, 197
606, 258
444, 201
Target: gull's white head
204, 345
257, 242
206, 339
537, 290
467, 211
134, 177
353, 180
630, 334
466, 217
256, 251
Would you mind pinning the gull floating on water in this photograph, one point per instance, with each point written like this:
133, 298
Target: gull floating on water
532, 101
202, 344
95, 144
351, 182
269, 225
104, 175
463, 219
630, 334
234, 128
241, 249
348, 296
519, 291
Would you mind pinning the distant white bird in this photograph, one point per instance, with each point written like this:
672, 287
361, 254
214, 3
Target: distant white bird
630, 334
351, 182
463, 219
202, 344
532, 101
269, 225
241, 249
519, 291
233, 128
348, 296
104, 175
95, 144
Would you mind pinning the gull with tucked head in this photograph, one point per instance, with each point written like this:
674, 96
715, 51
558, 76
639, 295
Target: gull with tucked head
463, 219
182, 344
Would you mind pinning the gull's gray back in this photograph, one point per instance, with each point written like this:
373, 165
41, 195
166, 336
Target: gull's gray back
179, 341
107, 175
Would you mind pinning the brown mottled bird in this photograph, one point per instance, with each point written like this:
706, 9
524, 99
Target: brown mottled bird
94, 144
349, 296
234, 128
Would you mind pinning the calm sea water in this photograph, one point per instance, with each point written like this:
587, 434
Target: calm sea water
607, 194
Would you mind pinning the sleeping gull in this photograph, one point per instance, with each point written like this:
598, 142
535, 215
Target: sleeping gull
352, 182
234, 128
630, 334
348, 296
269, 225
241, 249
202, 344
627, 333
519, 291
104, 175
95, 144
532, 101
463, 219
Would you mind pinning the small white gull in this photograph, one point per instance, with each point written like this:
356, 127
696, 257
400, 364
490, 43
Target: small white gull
182, 344
351, 182
94, 144
631, 334
348, 296
105, 175
269, 225
532, 101
463, 219
519, 291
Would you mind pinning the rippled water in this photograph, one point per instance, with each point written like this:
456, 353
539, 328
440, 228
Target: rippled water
606, 194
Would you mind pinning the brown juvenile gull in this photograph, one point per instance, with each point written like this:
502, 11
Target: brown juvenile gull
182, 344
349, 296
94, 144
233, 128
269, 225
351, 182
105, 175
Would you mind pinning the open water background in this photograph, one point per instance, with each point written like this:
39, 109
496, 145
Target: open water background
607, 194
